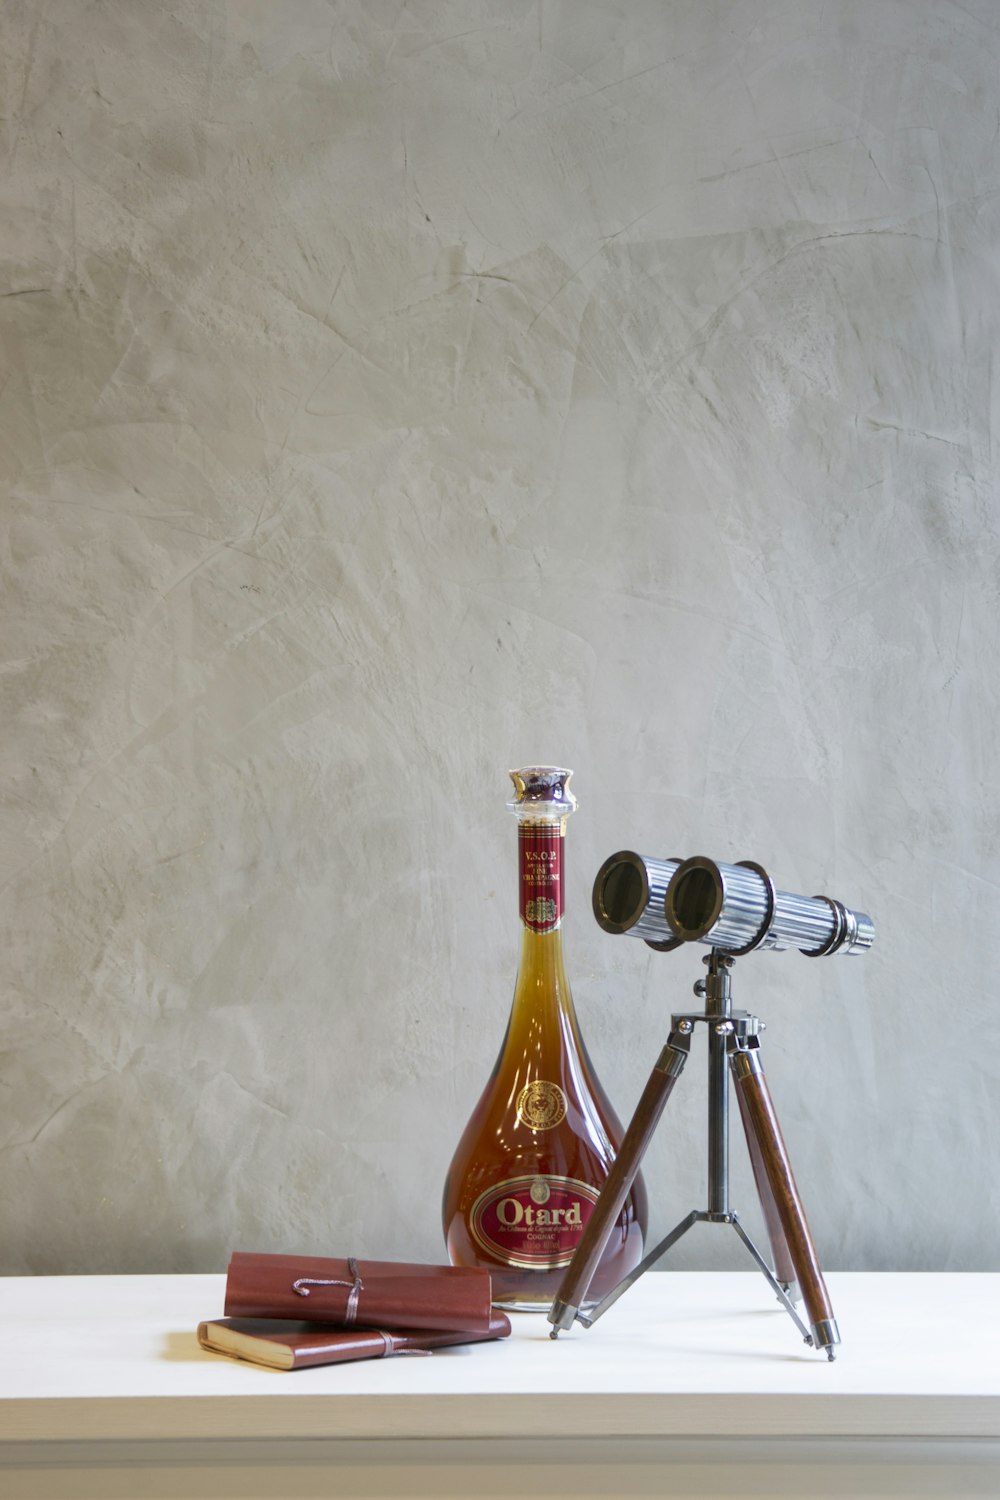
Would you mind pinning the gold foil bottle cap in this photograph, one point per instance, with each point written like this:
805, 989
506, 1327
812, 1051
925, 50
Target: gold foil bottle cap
542, 791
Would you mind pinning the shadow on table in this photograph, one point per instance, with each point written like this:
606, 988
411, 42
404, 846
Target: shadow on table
184, 1348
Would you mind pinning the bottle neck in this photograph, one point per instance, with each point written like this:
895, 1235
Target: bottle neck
541, 975
542, 986
540, 846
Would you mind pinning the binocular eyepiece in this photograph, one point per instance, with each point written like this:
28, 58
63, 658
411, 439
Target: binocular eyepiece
735, 908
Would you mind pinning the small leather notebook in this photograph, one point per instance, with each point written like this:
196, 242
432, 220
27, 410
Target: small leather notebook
359, 1293
287, 1344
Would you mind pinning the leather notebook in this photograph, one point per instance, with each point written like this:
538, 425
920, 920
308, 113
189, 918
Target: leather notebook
359, 1293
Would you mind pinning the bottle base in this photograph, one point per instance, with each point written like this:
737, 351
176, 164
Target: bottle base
522, 1304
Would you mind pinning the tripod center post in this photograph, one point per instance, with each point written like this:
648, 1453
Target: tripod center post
718, 985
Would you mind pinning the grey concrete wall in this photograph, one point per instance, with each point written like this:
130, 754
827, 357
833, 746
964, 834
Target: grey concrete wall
394, 393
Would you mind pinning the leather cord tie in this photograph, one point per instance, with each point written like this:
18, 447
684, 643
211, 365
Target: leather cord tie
355, 1288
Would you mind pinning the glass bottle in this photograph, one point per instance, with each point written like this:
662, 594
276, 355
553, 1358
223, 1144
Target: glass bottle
538, 1146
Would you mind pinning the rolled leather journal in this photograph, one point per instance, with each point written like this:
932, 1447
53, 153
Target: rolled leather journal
356, 1293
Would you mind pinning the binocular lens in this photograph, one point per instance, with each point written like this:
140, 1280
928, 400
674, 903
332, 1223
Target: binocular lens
694, 903
622, 894
628, 897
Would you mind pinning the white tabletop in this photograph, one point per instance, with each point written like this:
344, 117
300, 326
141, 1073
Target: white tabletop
114, 1358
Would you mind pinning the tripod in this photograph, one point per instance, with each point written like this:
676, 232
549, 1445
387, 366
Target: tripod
733, 1049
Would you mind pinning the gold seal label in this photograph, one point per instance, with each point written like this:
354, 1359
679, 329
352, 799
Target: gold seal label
541, 1105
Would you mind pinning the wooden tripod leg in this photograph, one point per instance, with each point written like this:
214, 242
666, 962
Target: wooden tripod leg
580, 1271
762, 1124
781, 1259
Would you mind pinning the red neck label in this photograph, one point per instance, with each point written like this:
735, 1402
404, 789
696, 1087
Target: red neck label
540, 861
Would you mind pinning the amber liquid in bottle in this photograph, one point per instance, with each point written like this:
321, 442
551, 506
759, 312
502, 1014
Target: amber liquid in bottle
540, 1142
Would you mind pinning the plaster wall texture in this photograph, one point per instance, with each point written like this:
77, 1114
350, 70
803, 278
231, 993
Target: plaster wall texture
394, 393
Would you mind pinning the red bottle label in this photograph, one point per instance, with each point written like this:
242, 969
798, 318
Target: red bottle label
532, 1222
540, 851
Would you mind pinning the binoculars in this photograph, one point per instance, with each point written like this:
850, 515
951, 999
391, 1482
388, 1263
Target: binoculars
734, 908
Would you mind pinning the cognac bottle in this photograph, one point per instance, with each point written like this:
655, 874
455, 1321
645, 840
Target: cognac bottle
540, 1142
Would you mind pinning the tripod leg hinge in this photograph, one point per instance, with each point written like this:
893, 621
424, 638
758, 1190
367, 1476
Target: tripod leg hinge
744, 1062
675, 1054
